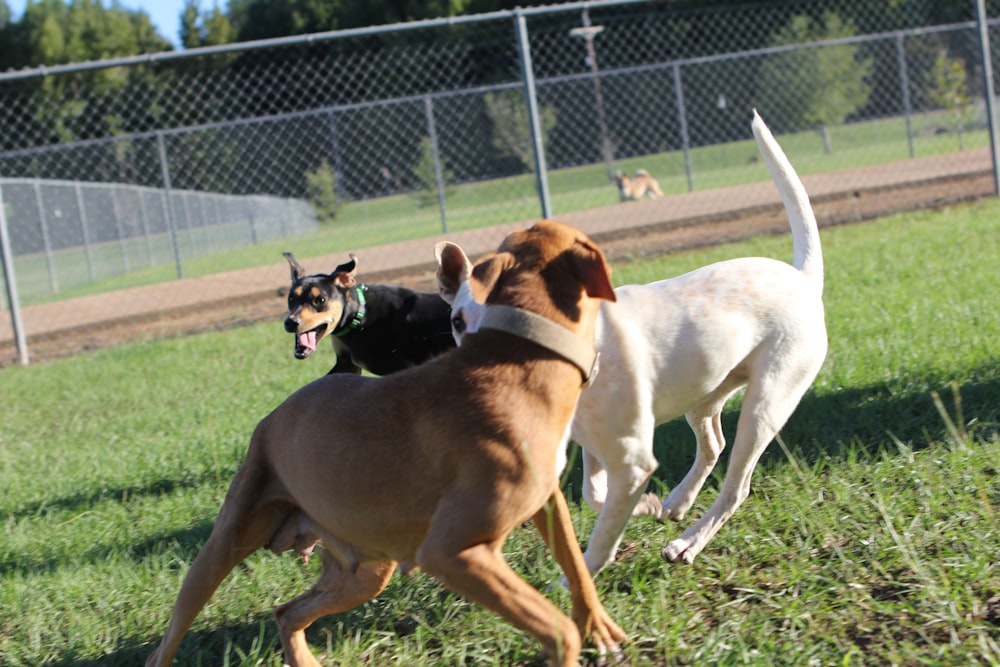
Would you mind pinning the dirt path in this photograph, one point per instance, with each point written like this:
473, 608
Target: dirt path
625, 231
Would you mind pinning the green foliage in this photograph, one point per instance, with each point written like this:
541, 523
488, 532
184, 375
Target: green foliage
210, 27
426, 178
321, 192
511, 127
52, 32
814, 88
949, 89
260, 19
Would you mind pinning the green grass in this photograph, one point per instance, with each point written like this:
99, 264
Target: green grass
471, 206
870, 537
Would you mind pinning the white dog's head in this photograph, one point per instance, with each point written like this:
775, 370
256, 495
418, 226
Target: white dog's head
453, 272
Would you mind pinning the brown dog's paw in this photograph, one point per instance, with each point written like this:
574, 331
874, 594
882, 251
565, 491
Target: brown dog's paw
605, 635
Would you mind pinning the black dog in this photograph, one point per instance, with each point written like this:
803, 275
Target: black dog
378, 328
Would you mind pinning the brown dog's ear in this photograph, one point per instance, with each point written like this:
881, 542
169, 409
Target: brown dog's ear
454, 268
487, 272
593, 270
344, 275
297, 270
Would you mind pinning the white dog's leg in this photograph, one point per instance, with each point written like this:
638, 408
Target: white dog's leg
595, 481
707, 427
626, 484
767, 405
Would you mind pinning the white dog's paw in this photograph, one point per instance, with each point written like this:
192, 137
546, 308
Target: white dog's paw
648, 505
677, 504
679, 551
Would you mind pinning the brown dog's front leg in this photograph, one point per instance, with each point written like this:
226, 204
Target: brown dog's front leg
556, 526
480, 574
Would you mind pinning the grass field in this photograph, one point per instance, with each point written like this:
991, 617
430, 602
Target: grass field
870, 537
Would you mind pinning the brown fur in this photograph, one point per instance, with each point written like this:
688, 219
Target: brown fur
637, 186
431, 467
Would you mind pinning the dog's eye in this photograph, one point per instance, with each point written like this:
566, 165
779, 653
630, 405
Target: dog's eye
458, 324
320, 300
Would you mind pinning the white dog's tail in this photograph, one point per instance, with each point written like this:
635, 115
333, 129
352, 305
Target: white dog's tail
807, 253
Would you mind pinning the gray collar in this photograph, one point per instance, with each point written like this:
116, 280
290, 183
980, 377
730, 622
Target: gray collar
545, 332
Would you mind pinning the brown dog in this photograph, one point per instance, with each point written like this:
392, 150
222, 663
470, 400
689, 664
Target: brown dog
431, 467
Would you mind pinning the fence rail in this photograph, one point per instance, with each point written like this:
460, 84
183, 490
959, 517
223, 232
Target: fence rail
351, 139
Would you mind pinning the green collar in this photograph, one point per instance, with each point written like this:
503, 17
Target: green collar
359, 316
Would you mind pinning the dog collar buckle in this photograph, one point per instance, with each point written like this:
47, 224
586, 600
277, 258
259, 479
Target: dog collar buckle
589, 380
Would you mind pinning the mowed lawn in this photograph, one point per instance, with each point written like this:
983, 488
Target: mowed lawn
871, 536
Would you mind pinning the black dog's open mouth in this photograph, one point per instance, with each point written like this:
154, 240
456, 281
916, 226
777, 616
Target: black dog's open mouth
305, 343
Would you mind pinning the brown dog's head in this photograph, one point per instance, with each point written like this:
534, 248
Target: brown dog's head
528, 263
624, 184
316, 303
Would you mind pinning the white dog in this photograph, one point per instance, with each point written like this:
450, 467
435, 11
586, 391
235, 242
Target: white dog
684, 346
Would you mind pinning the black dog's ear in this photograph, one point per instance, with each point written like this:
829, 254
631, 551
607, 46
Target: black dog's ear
346, 272
297, 270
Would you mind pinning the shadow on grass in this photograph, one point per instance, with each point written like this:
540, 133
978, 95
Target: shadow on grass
245, 642
86, 500
189, 540
199, 647
862, 421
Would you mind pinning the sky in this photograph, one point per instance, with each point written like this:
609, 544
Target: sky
165, 14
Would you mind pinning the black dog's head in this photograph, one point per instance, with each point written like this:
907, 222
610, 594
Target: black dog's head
316, 303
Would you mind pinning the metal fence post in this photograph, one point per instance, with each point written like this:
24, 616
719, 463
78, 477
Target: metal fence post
338, 162
531, 97
438, 172
46, 241
683, 125
85, 228
144, 214
7, 259
168, 209
988, 91
116, 213
904, 87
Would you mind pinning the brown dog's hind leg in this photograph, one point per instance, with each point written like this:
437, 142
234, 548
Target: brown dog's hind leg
336, 591
235, 536
555, 524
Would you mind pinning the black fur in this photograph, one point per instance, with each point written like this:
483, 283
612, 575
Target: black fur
399, 328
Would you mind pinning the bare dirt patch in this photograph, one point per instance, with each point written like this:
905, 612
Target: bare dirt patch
620, 245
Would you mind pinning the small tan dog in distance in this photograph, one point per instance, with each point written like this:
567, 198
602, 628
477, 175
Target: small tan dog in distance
637, 186
431, 467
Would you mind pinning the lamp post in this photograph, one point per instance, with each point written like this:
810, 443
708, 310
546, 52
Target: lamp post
587, 32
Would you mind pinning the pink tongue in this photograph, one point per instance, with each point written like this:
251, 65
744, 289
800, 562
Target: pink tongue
308, 340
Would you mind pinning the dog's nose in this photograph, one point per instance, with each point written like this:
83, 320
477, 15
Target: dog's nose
291, 324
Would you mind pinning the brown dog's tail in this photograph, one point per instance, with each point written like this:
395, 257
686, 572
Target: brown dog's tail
807, 253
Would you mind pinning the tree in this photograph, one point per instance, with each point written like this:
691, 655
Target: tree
949, 89
511, 131
814, 87
321, 192
52, 32
426, 177
205, 28
260, 19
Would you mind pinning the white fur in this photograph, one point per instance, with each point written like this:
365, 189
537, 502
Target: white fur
684, 346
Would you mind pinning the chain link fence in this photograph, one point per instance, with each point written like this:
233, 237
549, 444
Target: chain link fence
166, 166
